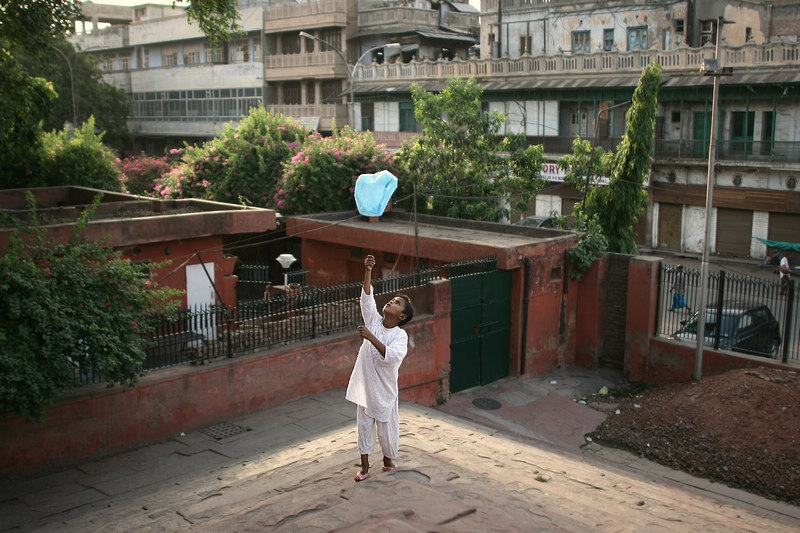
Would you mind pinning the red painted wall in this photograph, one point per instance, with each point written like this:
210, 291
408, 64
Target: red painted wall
96, 421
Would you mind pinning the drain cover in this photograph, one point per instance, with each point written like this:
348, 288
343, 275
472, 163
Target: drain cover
222, 431
486, 403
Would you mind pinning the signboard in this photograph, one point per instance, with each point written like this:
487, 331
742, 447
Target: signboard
553, 172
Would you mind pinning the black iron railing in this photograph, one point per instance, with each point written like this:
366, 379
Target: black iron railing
726, 291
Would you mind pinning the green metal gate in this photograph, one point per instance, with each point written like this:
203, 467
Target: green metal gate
480, 324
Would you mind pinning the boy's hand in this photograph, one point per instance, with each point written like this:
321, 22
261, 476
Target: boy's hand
369, 262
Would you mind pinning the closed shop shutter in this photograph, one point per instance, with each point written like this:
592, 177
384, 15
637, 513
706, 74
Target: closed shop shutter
734, 232
785, 227
669, 226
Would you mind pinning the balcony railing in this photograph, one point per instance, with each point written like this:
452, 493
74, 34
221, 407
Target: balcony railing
683, 60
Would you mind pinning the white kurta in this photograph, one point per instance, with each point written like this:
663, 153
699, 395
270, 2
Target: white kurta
373, 382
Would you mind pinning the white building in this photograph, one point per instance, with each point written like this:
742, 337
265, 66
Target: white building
557, 69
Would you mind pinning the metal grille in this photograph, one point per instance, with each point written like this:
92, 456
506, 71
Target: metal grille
223, 431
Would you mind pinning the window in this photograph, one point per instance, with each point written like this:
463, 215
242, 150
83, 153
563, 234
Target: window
742, 127
108, 63
767, 132
680, 26
310, 93
334, 37
169, 56
675, 116
241, 52
707, 32
331, 91
215, 55
637, 38
525, 43
125, 63
580, 41
291, 93
290, 44
191, 57
748, 34
367, 116
407, 120
608, 39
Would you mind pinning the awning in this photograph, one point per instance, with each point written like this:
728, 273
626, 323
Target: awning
409, 47
446, 36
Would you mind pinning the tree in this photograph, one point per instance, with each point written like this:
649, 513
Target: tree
619, 205
70, 309
218, 19
242, 165
460, 163
321, 177
77, 157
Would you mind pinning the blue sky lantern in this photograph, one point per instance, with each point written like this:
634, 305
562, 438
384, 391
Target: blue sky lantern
373, 192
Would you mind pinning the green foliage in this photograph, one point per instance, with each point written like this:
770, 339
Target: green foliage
242, 165
70, 309
24, 101
218, 19
460, 163
321, 177
593, 244
139, 174
585, 166
34, 22
619, 205
77, 157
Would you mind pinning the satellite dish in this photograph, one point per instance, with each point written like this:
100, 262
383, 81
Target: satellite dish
373, 192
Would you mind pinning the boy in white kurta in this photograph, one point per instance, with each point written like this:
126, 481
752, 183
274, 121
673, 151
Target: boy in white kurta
373, 382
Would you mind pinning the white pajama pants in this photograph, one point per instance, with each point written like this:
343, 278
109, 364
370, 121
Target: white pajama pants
388, 433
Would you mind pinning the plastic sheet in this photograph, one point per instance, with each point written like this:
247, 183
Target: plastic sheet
373, 192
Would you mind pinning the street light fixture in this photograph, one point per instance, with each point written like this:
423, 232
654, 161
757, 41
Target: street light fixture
711, 67
72, 86
394, 48
286, 260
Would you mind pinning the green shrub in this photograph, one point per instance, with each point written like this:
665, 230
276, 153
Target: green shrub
321, 177
70, 309
242, 165
78, 157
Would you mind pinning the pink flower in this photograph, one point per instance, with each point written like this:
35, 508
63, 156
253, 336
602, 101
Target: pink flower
135, 324
147, 284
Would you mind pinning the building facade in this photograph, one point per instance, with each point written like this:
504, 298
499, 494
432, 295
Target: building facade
558, 69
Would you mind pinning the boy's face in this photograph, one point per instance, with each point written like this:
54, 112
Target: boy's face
396, 308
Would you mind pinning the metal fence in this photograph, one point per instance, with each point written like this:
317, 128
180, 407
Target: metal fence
726, 291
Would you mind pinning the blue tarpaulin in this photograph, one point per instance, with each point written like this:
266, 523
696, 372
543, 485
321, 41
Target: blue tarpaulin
373, 192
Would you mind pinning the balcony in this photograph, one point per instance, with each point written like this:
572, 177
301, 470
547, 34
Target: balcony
105, 39
325, 112
302, 66
397, 16
291, 17
559, 70
197, 76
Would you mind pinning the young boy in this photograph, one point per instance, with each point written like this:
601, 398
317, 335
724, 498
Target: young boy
373, 383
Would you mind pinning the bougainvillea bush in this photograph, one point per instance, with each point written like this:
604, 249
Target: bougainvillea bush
68, 310
242, 165
321, 177
139, 174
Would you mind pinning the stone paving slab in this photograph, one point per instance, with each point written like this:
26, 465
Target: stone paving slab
457, 472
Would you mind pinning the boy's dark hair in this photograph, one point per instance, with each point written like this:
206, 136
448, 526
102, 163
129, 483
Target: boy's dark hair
408, 311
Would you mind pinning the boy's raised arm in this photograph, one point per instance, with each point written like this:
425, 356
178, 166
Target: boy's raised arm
369, 262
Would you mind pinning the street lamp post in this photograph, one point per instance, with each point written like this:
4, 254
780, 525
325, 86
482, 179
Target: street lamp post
711, 67
350, 68
72, 86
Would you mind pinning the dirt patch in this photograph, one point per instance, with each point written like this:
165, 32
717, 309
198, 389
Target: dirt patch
740, 428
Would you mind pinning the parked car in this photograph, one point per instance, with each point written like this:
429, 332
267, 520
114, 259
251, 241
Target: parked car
745, 328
